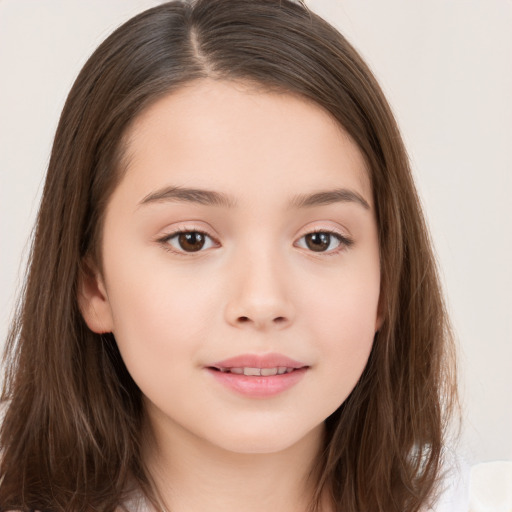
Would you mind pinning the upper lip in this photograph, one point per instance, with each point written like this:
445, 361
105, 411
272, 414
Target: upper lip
272, 360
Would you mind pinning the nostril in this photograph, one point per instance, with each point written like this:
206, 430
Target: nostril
277, 320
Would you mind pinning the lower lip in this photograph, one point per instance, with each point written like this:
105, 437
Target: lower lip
256, 386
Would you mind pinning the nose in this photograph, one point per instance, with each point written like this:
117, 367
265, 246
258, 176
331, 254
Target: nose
259, 295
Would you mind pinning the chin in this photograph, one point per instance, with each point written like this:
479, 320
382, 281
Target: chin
265, 440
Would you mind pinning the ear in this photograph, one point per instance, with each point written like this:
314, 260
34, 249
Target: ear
379, 319
93, 299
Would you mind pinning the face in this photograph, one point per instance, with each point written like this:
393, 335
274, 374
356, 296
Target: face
240, 266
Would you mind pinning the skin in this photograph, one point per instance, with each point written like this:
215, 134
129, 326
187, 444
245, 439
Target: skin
255, 287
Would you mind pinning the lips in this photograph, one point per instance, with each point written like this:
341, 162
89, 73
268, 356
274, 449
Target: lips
255, 361
258, 376
259, 372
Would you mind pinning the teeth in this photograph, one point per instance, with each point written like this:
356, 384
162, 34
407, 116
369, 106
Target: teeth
264, 372
252, 371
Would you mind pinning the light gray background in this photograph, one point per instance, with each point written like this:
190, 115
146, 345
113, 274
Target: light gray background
446, 69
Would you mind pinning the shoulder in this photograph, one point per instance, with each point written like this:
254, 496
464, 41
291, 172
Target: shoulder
484, 486
491, 486
135, 502
454, 488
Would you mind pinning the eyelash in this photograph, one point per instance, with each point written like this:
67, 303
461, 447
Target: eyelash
344, 242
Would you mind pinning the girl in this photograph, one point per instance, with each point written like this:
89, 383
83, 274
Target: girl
232, 300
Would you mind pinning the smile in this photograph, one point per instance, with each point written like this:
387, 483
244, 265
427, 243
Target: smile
254, 383
258, 375
260, 372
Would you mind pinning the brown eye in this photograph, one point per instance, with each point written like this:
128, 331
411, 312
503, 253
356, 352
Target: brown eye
188, 241
191, 241
318, 242
324, 241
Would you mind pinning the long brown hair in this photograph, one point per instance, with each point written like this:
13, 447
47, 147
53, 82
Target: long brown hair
70, 439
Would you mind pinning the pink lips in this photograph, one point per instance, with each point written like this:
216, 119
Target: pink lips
249, 383
272, 360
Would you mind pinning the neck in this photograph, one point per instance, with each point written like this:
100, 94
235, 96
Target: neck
193, 475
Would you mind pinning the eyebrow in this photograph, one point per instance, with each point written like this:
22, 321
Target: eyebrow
213, 198
325, 197
189, 195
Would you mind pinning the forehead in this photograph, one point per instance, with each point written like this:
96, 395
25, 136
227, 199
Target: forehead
231, 134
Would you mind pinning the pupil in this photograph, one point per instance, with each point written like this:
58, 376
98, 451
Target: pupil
318, 241
192, 241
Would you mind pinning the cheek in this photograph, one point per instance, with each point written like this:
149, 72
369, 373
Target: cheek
346, 303
160, 318
348, 333
344, 320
